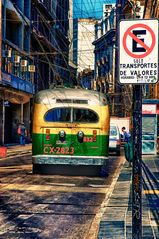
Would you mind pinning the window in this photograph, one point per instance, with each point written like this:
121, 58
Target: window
64, 115
58, 115
113, 131
84, 116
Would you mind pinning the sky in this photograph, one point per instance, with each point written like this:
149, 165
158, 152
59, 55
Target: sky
89, 8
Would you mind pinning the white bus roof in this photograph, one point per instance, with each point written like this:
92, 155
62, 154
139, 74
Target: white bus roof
70, 95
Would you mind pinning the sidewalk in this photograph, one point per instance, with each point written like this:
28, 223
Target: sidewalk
116, 222
15, 150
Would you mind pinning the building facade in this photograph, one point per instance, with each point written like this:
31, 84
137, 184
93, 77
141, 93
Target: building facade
16, 70
86, 79
50, 42
34, 48
151, 10
150, 105
105, 47
83, 50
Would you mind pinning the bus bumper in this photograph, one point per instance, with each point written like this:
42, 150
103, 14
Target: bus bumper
72, 160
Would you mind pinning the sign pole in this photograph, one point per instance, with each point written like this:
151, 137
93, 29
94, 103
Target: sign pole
137, 167
138, 65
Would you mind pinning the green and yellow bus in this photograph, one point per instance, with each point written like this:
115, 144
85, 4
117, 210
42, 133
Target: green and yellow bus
70, 128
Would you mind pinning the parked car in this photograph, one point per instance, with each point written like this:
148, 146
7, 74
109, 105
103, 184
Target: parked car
114, 139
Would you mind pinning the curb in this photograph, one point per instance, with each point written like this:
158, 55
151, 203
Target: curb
94, 230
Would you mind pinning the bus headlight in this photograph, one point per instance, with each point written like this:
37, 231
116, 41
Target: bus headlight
62, 135
80, 136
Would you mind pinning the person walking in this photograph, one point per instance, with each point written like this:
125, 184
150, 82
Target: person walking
22, 133
127, 146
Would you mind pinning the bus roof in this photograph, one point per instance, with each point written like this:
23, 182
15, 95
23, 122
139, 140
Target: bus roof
70, 95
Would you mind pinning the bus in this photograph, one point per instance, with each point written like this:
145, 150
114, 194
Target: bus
70, 131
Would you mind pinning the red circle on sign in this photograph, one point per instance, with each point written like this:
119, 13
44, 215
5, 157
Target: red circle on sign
128, 33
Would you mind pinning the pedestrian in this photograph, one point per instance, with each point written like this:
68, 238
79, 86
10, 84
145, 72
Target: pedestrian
127, 146
22, 133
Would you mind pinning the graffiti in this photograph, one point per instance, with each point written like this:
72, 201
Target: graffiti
136, 182
136, 235
136, 213
137, 172
136, 197
136, 167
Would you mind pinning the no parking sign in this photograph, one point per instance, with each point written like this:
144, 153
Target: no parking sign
138, 51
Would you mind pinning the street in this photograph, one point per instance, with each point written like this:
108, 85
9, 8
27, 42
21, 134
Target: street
50, 206
79, 81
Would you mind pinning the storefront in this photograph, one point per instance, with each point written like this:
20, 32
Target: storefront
150, 127
15, 96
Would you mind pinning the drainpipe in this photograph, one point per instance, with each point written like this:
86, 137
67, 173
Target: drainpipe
3, 109
3, 121
0, 40
21, 112
113, 79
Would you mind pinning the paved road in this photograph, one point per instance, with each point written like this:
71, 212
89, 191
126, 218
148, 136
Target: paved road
50, 206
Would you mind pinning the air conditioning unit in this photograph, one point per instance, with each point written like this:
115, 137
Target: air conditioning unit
16, 59
31, 68
9, 53
24, 63
102, 60
98, 63
106, 58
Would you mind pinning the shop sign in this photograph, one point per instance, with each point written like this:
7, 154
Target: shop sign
23, 85
149, 109
6, 78
6, 103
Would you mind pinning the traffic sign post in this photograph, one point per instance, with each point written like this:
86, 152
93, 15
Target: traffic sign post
138, 65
